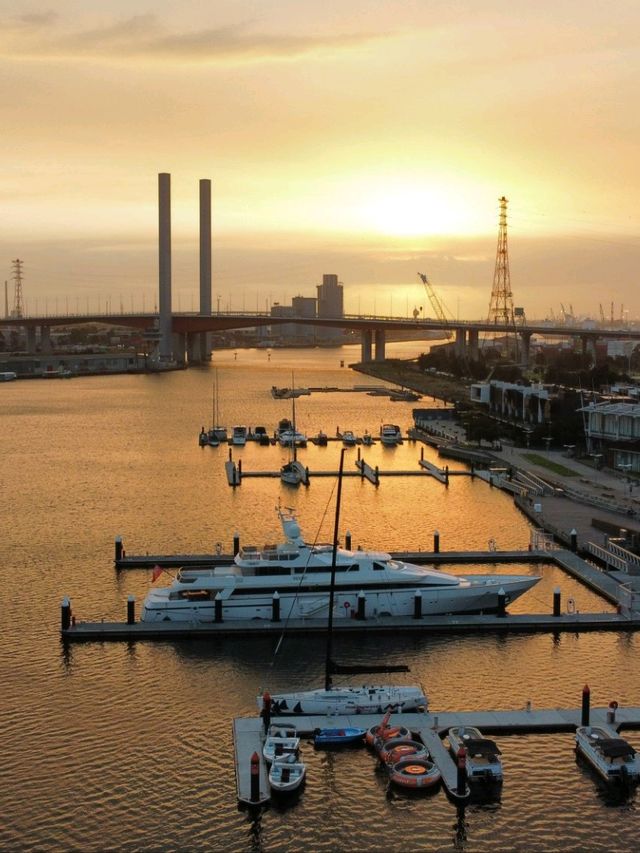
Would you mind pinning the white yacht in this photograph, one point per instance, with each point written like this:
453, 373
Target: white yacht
611, 756
390, 435
301, 575
348, 700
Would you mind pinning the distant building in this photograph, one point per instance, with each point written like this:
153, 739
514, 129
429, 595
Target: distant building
526, 404
330, 305
305, 306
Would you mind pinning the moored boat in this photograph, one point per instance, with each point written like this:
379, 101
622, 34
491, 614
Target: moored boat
278, 748
611, 756
483, 755
384, 731
390, 435
414, 773
395, 749
349, 438
286, 776
338, 737
347, 700
367, 439
239, 436
301, 574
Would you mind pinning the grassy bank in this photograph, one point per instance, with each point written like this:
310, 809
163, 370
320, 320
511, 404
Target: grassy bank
406, 373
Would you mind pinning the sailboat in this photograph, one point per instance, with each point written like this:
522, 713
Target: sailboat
346, 700
293, 472
217, 433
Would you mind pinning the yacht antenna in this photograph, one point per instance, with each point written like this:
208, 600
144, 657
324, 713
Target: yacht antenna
328, 667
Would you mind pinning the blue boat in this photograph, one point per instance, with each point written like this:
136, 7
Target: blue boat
338, 737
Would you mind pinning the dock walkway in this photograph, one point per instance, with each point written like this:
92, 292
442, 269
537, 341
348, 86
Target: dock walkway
247, 739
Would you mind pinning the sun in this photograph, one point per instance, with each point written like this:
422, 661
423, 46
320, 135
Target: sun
406, 211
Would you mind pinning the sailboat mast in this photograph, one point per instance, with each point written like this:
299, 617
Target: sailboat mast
334, 555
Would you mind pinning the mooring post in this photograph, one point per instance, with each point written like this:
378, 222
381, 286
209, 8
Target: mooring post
436, 542
462, 771
255, 777
358, 454
239, 470
275, 607
446, 475
118, 553
557, 601
586, 701
362, 600
347, 540
65, 614
131, 609
417, 605
377, 477
217, 608
502, 602
611, 712
574, 540
236, 543
422, 453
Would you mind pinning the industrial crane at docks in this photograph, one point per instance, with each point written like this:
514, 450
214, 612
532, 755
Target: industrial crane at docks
438, 306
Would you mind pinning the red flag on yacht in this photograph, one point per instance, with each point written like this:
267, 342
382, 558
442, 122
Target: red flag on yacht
157, 571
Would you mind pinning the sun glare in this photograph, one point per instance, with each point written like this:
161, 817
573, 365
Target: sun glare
408, 212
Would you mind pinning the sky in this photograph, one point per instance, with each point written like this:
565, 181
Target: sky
369, 139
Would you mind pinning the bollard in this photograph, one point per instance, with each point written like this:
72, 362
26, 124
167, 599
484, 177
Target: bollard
611, 712
435, 722
131, 609
65, 614
275, 607
502, 602
236, 543
557, 602
347, 540
255, 777
217, 608
362, 600
586, 700
574, 540
417, 605
436, 542
118, 544
462, 771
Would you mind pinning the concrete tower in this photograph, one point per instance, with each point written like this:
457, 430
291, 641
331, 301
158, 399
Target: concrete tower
164, 264
205, 264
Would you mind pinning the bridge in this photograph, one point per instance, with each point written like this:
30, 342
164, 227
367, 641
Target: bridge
188, 328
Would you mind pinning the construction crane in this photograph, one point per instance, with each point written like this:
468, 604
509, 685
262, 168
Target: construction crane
438, 306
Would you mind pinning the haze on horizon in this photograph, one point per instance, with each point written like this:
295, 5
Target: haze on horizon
369, 139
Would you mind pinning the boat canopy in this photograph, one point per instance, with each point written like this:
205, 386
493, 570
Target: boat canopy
481, 746
616, 747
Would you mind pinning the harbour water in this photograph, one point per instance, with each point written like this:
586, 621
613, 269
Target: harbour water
129, 747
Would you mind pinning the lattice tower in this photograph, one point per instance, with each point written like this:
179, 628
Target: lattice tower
17, 292
501, 305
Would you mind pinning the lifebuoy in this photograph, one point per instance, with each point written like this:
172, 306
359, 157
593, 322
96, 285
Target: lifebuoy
415, 769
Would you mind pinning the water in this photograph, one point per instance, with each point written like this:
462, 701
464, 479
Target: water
128, 746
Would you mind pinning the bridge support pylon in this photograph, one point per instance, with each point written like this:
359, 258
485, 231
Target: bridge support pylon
381, 339
366, 345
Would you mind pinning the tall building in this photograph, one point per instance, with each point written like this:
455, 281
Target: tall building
330, 304
304, 306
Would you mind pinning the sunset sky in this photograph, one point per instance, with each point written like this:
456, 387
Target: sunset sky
369, 139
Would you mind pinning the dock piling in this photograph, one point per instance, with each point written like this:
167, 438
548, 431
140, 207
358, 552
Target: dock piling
236, 543
502, 602
362, 600
417, 605
462, 771
217, 608
118, 549
557, 601
131, 609
436, 542
611, 712
347, 540
275, 607
574, 540
65, 614
255, 777
586, 701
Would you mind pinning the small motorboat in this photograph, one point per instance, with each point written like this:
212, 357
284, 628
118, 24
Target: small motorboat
349, 438
611, 756
261, 435
414, 773
239, 436
390, 435
293, 473
321, 439
203, 438
212, 439
338, 737
483, 755
367, 439
277, 748
394, 750
286, 776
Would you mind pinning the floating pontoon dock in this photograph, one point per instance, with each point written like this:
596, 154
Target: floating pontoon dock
431, 728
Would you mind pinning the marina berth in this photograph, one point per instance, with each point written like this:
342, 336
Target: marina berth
239, 436
300, 573
286, 776
483, 755
610, 756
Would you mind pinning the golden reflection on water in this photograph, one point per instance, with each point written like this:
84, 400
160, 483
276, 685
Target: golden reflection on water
129, 746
